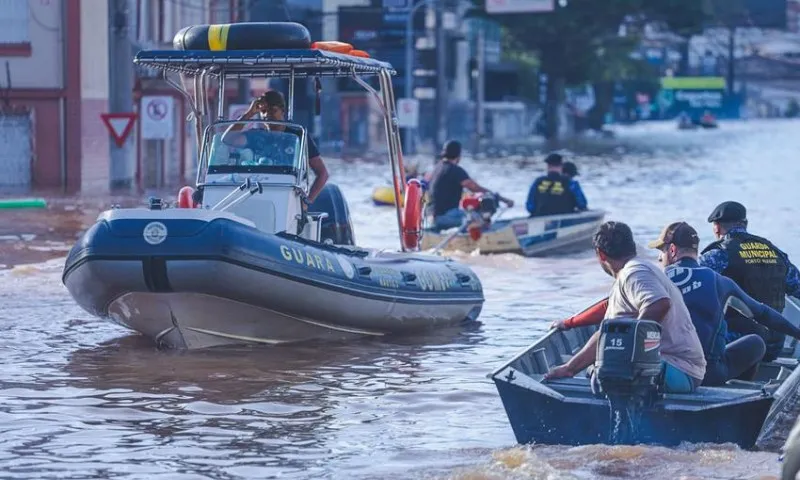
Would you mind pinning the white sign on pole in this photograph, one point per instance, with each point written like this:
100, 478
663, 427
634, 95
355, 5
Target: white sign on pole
408, 113
157, 119
520, 6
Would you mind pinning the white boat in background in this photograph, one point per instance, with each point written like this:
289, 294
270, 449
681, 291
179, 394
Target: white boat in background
527, 236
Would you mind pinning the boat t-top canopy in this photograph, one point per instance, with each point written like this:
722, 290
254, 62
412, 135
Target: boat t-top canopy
261, 63
270, 50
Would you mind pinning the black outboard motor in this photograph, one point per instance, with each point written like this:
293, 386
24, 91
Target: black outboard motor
628, 372
487, 207
337, 229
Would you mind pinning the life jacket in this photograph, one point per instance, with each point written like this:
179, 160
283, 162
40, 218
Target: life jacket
755, 265
553, 195
698, 285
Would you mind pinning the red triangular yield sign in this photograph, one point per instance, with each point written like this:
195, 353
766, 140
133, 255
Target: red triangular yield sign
119, 125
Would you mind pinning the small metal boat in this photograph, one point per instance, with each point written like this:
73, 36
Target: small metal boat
527, 236
620, 402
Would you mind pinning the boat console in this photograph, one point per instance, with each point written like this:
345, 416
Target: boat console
265, 163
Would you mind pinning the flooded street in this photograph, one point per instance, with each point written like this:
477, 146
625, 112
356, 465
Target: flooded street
80, 398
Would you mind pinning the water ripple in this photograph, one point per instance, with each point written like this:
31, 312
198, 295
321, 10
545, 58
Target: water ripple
80, 398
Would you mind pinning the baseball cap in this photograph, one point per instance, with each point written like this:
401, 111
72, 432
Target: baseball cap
554, 159
728, 212
570, 169
679, 233
452, 149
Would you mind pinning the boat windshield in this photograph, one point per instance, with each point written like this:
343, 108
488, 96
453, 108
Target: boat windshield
254, 147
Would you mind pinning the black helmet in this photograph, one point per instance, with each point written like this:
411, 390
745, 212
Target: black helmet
570, 169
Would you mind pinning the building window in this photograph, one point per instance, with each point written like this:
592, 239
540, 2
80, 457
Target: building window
14, 28
14, 19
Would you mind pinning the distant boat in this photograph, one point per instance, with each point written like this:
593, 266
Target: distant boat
527, 236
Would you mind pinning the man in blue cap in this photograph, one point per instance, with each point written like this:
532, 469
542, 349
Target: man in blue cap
550, 194
761, 269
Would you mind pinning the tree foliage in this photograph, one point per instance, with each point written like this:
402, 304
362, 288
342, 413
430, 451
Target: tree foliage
580, 42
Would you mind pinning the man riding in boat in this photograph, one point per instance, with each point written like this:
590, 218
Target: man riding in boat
761, 269
570, 170
642, 290
708, 119
707, 293
447, 182
272, 106
550, 194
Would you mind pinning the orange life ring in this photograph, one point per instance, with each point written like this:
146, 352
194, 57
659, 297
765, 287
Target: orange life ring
470, 202
412, 215
332, 46
358, 53
185, 199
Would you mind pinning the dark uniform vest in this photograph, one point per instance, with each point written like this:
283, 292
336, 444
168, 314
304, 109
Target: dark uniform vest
755, 265
553, 195
698, 286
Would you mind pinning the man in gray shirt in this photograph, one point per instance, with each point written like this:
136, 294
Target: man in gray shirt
643, 291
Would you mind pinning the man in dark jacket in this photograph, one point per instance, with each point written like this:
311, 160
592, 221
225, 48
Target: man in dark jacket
707, 294
762, 270
550, 194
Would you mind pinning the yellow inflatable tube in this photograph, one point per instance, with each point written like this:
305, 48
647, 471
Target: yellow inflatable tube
383, 195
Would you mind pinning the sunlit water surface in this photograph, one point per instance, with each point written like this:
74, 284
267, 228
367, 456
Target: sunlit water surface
80, 398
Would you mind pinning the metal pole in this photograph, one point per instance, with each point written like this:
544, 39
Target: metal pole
441, 79
480, 86
290, 111
731, 59
120, 98
409, 77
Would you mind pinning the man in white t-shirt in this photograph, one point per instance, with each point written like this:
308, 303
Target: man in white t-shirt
643, 291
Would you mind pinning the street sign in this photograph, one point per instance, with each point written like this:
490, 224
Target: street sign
157, 119
520, 6
119, 125
408, 113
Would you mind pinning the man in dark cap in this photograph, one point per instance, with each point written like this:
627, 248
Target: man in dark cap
707, 295
642, 290
550, 194
447, 183
570, 170
754, 263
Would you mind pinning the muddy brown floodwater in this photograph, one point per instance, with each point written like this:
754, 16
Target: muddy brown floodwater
81, 398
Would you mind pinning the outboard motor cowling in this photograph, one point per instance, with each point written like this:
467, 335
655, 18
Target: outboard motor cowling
487, 207
337, 229
628, 371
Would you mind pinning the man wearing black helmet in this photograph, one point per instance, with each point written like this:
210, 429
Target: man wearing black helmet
447, 183
761, 269
570, 171
550, 194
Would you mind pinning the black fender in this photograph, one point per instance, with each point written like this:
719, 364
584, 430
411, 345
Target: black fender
243, 36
